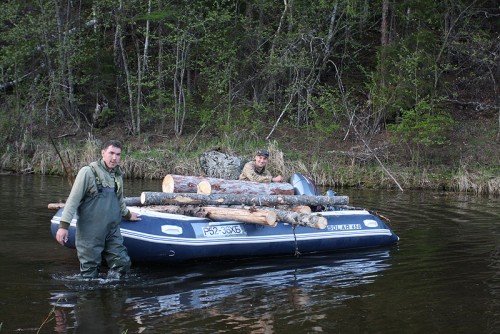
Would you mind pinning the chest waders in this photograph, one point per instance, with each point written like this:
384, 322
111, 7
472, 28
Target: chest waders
98, 232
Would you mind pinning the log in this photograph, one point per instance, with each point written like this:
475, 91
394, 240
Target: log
161, 198
302, 219
129, 201
186, 210
209, 185
180, 184
255, 216
265, 217
132, 201
204, 188
55, 206
299, 218
136, 201
297, 208
242, 214
268, 216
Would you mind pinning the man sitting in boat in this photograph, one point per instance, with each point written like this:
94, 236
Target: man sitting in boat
256, 170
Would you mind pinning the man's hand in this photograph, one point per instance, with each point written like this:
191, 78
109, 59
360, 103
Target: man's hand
62, 236
134, 217
278, 178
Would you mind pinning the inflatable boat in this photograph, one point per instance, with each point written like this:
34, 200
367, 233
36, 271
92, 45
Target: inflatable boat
164, 237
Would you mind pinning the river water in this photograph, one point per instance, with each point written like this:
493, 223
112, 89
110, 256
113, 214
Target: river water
442, 277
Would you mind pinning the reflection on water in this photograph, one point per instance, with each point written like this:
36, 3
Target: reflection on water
442, 277
298, 284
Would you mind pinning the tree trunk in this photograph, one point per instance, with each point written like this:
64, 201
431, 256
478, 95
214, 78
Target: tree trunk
301, 218
384, 33
266, 216
180, 184
121, 48
207, 186
160, 198
252, 215
136, 201
129, 201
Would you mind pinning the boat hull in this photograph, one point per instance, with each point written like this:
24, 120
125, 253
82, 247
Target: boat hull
162, 237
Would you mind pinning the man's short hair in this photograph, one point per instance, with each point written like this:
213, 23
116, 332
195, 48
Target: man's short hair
109, 143
263, 152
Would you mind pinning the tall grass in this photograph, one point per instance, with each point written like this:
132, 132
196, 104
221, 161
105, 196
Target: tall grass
326, 170
479, 182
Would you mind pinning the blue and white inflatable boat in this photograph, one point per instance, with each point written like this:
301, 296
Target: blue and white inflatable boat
164, 237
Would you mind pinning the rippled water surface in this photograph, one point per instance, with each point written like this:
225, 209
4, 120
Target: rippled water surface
442, 277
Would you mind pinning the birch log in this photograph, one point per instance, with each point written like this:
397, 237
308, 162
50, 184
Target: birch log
209, 185
160, 198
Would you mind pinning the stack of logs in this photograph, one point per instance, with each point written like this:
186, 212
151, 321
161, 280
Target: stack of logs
245, 201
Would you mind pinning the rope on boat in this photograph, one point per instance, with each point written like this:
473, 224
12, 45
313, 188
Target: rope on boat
297, 253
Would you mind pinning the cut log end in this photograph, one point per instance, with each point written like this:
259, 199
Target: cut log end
55, 206
271, 218
167, 185
204, 188
322, 223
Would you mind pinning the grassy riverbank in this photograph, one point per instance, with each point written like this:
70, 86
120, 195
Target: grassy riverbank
468, 162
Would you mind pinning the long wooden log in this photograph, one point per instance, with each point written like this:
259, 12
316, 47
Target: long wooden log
297, 208
299, 218
186, 210
259, 216
220, 186
268, 216
302, 219
136, 201
180, 184
209, 185
246, 214
129, 201
161, 198
255, 216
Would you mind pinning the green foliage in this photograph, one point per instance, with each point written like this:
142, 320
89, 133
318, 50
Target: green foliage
423, 124
327, 117
404, 76
251, 119
228, 65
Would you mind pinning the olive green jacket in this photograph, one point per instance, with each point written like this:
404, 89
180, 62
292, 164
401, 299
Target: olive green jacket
250, 173
85, 185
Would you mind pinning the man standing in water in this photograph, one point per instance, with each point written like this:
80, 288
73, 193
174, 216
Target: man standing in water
97, 197
256, 170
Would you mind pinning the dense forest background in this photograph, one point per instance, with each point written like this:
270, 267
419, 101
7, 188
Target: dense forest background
411, 84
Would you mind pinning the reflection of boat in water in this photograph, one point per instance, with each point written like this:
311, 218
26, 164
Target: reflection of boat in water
154, 300
165, 237
307, 281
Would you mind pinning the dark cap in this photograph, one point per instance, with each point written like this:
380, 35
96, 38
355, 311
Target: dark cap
263, 152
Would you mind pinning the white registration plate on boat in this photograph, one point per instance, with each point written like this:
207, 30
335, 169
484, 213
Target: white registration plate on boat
222, 230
